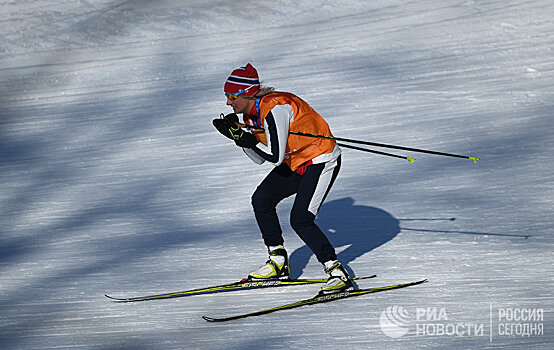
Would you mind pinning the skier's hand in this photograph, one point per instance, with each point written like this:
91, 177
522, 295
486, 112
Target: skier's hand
246, 140
230, 118
227, 126
226, 123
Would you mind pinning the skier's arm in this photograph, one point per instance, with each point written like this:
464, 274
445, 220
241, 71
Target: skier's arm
277, 133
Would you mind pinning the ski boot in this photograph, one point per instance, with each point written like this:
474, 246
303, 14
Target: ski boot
338, 281
276, 267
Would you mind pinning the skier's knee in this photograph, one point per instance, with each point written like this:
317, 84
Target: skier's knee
298, 220
259, 200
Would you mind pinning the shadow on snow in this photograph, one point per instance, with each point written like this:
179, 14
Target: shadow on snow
362, 228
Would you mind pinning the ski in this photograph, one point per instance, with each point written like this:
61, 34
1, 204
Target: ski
244, 284
317, 300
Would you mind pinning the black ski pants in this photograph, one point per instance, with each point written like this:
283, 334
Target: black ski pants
311, 189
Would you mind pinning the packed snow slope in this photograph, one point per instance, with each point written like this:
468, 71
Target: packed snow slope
113, 180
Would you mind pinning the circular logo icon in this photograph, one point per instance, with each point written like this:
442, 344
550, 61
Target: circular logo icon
394, 321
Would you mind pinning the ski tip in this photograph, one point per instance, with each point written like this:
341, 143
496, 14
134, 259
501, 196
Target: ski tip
474, 159
115, 299
410, 159
210, 319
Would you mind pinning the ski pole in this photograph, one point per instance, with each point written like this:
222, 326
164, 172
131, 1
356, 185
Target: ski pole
409, 159
375, 144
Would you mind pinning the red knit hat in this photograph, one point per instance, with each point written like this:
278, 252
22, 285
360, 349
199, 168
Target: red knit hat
243, 78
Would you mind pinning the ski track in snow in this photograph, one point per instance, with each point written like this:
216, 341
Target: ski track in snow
114, 181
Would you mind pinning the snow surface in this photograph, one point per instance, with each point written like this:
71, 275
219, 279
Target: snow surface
112, 179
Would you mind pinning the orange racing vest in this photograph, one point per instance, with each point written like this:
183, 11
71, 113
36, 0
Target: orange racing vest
299, 149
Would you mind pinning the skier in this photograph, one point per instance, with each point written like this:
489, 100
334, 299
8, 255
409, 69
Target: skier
304, 166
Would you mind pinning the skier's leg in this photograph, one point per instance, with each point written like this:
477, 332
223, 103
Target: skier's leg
279, 184
312, 191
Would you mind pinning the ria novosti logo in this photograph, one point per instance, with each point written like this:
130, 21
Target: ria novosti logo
395, 321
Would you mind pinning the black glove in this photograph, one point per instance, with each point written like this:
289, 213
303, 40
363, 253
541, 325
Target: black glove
227, 126
246, 140
225, 123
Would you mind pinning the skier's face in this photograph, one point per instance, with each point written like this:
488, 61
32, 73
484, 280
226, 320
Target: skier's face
241, 105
